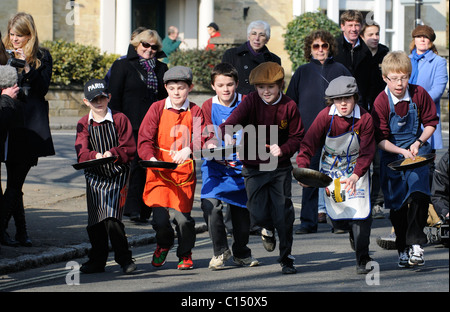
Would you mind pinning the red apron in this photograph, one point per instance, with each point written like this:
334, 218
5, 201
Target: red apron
172, 188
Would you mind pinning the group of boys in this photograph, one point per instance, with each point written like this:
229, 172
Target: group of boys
255, 181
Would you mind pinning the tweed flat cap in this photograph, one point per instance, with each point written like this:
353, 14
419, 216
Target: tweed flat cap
265, 73
178, 73
341, 86
424, 30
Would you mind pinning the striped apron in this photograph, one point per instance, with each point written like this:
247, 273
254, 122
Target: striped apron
106, 185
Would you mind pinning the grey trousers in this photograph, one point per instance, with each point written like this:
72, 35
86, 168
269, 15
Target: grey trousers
270, 204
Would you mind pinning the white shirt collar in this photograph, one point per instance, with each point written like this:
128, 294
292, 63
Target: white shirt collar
274, 103
108, 117
356, 112
184, 107
215, 99
395, 99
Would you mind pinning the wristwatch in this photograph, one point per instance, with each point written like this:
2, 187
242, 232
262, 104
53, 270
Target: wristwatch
421, 142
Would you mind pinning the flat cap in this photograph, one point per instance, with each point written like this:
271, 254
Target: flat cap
266, 73
178, 73
341, 86
424, 30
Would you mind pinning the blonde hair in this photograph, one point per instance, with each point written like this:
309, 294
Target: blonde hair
23, 24
396, 62
146, 36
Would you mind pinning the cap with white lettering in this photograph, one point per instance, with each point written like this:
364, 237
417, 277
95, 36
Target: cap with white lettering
94, 88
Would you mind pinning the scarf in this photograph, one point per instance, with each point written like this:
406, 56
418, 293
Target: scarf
415, 65
152, 80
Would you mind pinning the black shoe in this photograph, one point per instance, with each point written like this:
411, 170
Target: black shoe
129, 267
287, 266
361, 267
302, 230
24, 240
90, 267
6, 240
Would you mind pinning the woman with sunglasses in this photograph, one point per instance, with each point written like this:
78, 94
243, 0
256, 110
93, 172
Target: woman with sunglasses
307, 88
136, 82
32, 139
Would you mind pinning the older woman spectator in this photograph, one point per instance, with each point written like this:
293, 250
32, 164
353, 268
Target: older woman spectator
250, 54
135, 83
307, 88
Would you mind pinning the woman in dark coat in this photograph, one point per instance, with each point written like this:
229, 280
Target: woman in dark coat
32, 140
249, 55
135, 83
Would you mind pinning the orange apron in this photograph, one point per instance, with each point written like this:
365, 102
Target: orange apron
172, 188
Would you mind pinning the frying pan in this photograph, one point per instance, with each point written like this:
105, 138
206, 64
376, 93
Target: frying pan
218, 152
397, 165
311, 177
94, 162
157, 164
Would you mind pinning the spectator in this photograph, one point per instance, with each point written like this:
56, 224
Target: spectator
250, 54
170, 43
213, 31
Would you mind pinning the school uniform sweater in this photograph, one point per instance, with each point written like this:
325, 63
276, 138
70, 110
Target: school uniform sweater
381, 111
316, 135
254, 112
148, 132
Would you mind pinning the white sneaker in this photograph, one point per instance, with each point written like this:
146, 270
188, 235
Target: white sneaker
250, 261
218, 262
403, 258
416, 255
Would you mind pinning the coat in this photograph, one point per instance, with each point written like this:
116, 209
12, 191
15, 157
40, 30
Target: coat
33, 138
244, 61
359, 63
128, 88
433, 77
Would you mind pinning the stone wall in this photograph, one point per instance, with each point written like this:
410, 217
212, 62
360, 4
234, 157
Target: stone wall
66, 103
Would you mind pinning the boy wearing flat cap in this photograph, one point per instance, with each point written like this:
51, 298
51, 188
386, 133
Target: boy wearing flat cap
104, 133
170, 132
345, 132
272, 134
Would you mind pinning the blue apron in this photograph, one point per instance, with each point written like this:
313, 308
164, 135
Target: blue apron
222, 179
397, 186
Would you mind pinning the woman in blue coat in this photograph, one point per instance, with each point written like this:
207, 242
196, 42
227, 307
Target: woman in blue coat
429, 71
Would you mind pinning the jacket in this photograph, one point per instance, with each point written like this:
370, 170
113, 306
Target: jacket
359, 63
243, 59
33, 138
308, 84
128, 87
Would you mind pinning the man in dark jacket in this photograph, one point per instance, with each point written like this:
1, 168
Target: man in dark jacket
354, 53
250, 54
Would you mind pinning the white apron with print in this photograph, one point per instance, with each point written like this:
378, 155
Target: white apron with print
338, 161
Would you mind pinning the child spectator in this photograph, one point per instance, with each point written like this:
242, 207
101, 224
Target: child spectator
273, 132
222, 179
398, 114
166, 134
345, 132
105, 133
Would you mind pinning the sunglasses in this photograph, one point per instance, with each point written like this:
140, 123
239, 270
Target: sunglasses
324, 46
148, 45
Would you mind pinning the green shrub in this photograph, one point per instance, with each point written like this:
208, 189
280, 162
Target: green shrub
302, 26
74, 63
201, 62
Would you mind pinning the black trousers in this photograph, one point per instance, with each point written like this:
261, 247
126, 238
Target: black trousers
240, 218
98, 235
360, 232
270, 203
165, 235
410, 220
